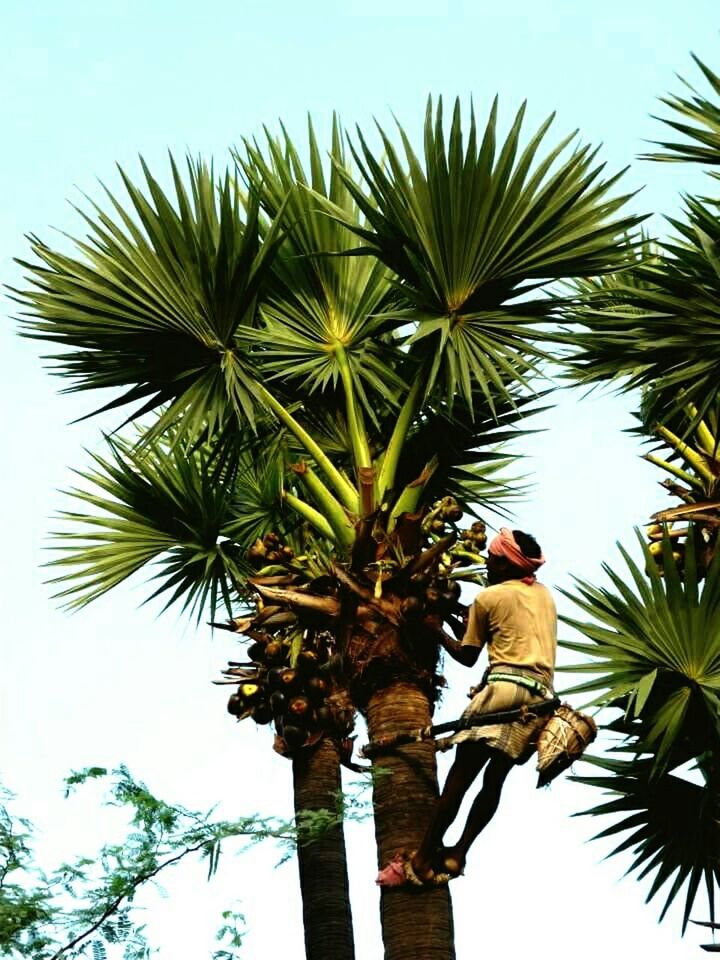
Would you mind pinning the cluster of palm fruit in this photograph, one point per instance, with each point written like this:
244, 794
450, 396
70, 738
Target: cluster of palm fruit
677, 538
270, 551
694, 469
291, 686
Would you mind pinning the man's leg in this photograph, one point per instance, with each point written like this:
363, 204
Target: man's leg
471, 757
482, 810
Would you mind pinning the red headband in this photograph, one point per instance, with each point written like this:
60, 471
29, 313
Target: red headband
505, 545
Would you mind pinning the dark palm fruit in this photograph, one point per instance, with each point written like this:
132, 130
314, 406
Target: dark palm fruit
433, 595
437, 526
419, 582
262, 712
317, 688
256, 556
323, 717
287, 553
452, 590
411, 607
236, 705
271, 539
478, 527
249, 691
274, 652
307, 661
274, 556
294, 736
278, 702
453, 513
288, 679
256, 652
299, 708
274, 681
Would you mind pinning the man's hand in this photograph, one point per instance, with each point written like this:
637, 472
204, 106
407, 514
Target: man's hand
464, 654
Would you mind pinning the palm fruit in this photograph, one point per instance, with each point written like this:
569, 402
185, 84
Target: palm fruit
419, 582
271, 540
274, 556
288, 679
433, 595
274, 652
411, 608
257, 553
262, 712
274, 675
249, 691
256, 652
654, 531
236, 705
287, 553
278, 703
437, 526
307, 661
323, 717
294, 736
450, 509
316, 688
299, 708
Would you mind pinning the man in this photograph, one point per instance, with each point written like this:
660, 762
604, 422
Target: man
515, 618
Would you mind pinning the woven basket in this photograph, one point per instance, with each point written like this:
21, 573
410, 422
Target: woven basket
562, 741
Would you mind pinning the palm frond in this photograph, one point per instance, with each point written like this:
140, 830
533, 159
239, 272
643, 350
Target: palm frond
468, 445
698, 123
164, 505
150, 303
473, 233
653, 648
319, 300
671, 825
658, 326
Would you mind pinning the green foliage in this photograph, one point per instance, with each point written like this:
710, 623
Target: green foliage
473, 232
85, 906
318, 300
673, 826
152, 302
699, 122
658, 324
653, 645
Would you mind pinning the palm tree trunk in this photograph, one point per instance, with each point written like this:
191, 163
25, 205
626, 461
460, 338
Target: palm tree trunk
327, 917
415, 923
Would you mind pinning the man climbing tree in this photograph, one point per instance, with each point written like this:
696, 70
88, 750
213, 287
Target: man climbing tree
515, 618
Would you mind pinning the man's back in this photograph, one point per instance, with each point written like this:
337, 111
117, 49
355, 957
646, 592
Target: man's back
518, 622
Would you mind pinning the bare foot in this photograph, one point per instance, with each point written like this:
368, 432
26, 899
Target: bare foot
422, 869
452, 861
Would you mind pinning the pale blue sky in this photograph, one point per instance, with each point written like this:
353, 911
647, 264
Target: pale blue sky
85, 85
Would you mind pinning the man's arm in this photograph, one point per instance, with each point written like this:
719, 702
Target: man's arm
462, 652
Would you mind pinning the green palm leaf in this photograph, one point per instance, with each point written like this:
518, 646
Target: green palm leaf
658, 325
473, 232
167, 505
653, 649
699, 123
152, 301
673, 826
319, 301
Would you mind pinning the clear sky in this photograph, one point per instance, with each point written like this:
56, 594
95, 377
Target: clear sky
86, 85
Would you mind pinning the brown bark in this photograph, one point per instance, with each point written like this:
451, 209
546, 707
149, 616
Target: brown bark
327, 917
417, 924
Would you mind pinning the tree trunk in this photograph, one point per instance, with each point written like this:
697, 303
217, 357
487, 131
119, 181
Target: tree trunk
417, 924
327, 917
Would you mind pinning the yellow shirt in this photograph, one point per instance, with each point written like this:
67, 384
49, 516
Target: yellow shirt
518, 622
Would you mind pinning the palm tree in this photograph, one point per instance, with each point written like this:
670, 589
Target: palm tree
653, 648
377, 379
